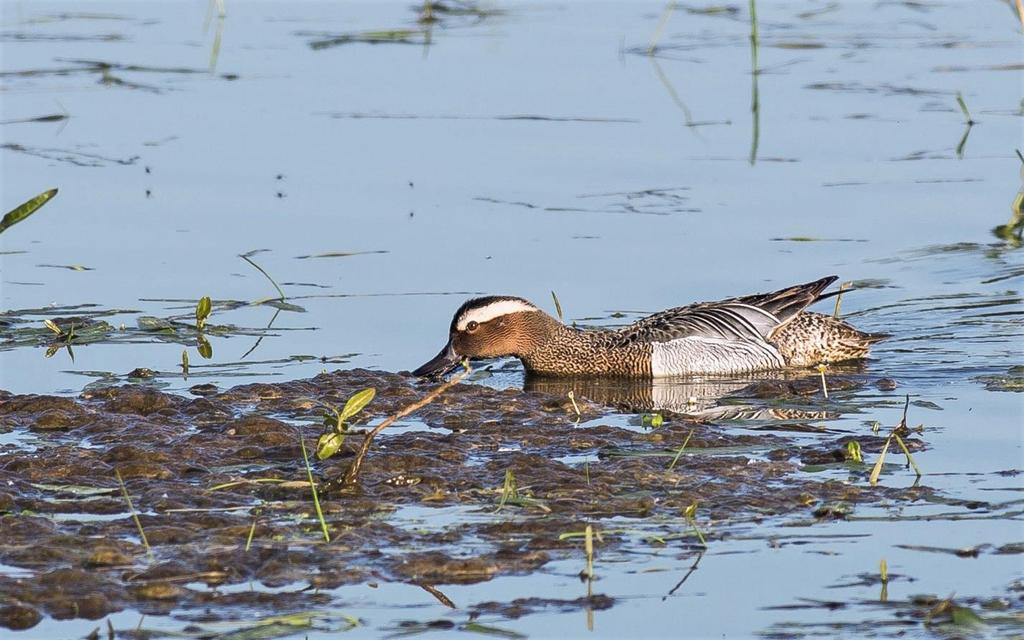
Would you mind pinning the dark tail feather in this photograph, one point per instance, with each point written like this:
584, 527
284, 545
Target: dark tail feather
785, 304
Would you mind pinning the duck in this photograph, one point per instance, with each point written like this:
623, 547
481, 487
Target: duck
760, 332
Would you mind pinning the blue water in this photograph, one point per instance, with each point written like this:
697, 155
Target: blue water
604, 195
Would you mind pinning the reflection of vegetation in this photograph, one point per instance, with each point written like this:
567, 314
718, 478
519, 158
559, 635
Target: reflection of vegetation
968, 120
390, 36
218, 31
755, 101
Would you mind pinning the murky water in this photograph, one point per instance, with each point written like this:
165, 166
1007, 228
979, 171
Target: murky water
530, 148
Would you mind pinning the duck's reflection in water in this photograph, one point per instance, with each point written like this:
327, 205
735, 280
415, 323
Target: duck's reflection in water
706, 399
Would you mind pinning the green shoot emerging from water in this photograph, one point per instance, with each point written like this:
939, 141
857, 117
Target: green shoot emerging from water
131, 508
653, 420
510, 495
853, 452
203, 346
203, 308
672, 464
883, 572
331, 441
900, 429
312, 487
968, 120
558, 306
588, 549
690, 513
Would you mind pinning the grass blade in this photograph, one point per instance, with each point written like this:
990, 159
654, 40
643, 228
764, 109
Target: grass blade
312, 486
245, 256
680, 452
131, 508
558, 306
877, 469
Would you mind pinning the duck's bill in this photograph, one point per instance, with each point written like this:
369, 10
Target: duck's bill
442, 364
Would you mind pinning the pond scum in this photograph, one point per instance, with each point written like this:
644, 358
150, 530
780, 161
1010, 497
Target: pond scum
174, 497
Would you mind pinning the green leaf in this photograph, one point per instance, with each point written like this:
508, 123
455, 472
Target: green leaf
476, 627
203, 309
151, 323
328, 445
964, 617
356, 403
853, 451
24, 210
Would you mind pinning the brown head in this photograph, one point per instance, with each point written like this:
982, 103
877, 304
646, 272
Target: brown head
490, 327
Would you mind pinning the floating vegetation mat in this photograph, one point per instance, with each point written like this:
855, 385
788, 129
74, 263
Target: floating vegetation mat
219, 494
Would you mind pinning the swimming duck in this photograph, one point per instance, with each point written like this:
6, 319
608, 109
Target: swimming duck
738, 335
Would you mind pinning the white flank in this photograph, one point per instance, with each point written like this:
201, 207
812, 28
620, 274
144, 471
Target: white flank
481, 315
685, 356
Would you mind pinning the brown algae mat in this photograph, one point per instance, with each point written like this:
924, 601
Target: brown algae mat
221, 492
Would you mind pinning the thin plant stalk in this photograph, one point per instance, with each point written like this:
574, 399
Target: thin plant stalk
558, 306
588, 549
265, 274
839, 299
576, 407
653, 46
883, 595
755, 101
910, 459
352, 475
252, 531
312, 486
877, 469
672, 464
131, 508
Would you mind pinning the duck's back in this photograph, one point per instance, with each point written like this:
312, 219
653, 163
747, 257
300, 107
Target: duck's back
751, 333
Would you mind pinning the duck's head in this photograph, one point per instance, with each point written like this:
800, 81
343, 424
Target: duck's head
489, 327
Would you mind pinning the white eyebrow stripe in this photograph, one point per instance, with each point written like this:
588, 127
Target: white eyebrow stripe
487, 313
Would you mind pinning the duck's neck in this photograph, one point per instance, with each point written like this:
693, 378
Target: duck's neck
557, 350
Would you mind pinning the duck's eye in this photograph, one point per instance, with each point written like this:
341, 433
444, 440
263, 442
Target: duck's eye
472, 325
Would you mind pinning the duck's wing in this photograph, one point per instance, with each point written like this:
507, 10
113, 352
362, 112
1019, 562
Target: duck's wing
746, 319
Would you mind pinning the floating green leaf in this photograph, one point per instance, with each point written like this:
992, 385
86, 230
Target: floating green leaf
24, 210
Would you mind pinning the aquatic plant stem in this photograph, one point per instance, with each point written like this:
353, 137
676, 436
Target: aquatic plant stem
131, 508
312, 486
653, 46
352, 475
755, 101
672, 464
245, 257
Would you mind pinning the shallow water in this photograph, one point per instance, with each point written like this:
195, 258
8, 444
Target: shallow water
537, 149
